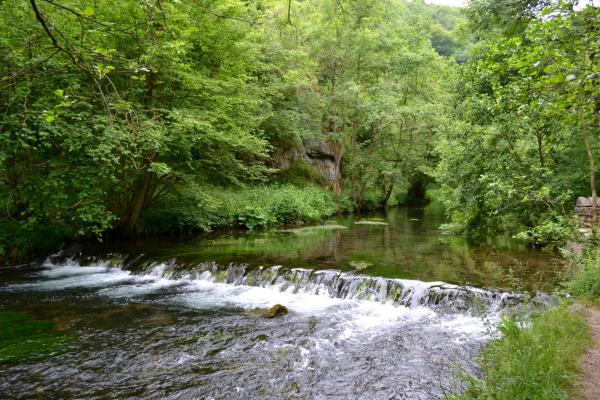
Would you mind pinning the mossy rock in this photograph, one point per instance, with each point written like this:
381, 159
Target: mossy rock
276, 311
360, 265
368, 222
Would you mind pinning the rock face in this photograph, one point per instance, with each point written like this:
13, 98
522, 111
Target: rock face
321, 155
276, 311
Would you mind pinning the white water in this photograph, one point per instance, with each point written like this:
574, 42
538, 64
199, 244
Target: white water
351, 315
330, 347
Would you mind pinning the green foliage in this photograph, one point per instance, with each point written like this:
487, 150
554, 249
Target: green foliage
552, 233
449, 34
300, 173
23, 339
585, 279
532, 360
254, 217
517, 156
104, 117
210, 207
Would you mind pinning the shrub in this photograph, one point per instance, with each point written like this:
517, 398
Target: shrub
255, 217
207, 207
20, 241
550, 233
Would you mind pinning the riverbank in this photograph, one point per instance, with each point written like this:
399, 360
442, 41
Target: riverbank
537, 359
204, 209
554, 355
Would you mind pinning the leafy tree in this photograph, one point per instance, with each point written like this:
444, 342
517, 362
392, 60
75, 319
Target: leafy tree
117, 112
529, 121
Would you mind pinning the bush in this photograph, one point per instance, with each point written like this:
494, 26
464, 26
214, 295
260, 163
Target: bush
20, 242
552, 233
537, 362
207, 208
255, 217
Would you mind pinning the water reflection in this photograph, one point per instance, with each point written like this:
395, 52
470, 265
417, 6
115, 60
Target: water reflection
402, 243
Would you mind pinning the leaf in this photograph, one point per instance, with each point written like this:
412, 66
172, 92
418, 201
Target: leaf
88, 11
159, 168
59, 92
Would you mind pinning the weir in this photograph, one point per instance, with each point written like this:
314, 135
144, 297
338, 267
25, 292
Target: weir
439, 296
199, 316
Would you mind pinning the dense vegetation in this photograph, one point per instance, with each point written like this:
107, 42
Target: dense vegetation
528, 106
521, 151
133, 117
141, 117
124, 117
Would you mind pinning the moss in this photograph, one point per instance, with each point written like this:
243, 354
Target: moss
221, 276
360, 265
23, 339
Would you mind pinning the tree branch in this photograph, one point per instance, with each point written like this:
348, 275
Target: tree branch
95, 21
42, 21
210, 10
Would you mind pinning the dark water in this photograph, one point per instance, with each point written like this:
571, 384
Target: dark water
165, 327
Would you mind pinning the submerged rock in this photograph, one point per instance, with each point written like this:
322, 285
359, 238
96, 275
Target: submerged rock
368, 222
276, 311
311, 229
360, 265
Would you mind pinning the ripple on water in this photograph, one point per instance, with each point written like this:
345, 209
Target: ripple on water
194, 339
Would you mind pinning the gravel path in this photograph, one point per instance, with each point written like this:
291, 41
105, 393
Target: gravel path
590, 388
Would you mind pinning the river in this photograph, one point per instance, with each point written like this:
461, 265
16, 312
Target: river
380, 306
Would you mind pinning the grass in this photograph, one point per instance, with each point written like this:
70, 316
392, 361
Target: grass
585, 279
536, 361
24, 339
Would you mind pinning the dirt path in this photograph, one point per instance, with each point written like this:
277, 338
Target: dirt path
590, 384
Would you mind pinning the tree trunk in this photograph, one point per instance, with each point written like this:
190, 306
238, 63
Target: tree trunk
540, 143
129, 223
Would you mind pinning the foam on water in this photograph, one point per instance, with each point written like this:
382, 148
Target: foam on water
344, 332
71, 279
353, 313
70, 268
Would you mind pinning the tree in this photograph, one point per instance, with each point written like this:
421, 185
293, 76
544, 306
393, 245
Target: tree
528, 98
